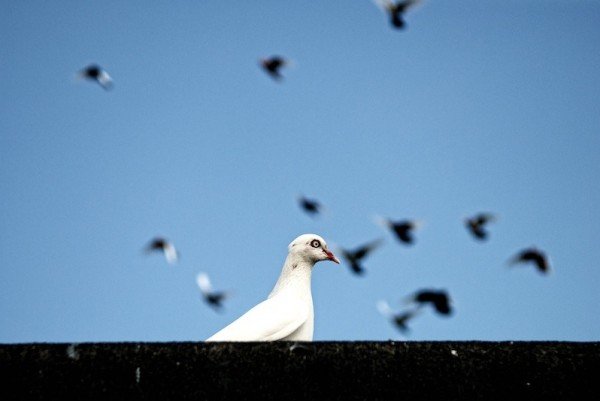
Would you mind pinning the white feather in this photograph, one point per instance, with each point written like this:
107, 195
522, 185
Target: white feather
204, 283
170, 253
105, 80
271, 320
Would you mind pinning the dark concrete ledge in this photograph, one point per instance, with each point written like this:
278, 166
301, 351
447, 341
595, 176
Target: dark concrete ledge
320, 370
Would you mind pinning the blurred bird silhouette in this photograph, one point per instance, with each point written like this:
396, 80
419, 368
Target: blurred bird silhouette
438, 299
213, 298
355, 256
476, 225
310, 206
96, 73
403, 229
399, 319
396, 10
535, 256
164, 246
272, 66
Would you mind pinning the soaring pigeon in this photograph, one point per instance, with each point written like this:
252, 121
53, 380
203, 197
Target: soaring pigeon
396, 10
287, 314
476, 224
166, 247
537, 257
403, 229
272, 66
310, 206
355, 256
96, 73
213, 298
400, 319
438, 299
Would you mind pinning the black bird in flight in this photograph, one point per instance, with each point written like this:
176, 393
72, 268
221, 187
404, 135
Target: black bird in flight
96, 73
403, 229
476, 224
396, 10
272, 66
355, 256
535, 256
439, 299
213, 298
310, 206
166, 247
399, 319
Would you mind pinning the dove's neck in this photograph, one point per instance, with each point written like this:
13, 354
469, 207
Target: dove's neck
294, 278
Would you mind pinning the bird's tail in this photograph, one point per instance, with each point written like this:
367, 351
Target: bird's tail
290, 63
513, 260
494, 217
418, 224
408, 299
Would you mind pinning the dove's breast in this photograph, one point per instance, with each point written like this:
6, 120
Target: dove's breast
306, 330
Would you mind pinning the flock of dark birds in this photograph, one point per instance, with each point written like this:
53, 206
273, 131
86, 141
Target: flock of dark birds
439, 300
404, 230
272, 65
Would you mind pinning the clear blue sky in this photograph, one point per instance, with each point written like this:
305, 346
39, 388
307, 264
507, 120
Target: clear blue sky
477, 106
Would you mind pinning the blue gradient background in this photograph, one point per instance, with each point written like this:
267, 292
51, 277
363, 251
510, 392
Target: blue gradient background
479, 105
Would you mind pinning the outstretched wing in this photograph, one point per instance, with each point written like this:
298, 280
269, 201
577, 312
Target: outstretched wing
406, 4
105, 80
365, 249
401, 6
270, 320
171, 253
204, 283
384, 5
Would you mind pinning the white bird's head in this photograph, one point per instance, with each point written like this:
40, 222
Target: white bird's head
311, 247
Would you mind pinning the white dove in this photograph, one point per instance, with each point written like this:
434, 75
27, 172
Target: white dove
287, 314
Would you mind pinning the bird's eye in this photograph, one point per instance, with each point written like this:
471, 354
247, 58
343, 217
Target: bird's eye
315, 243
